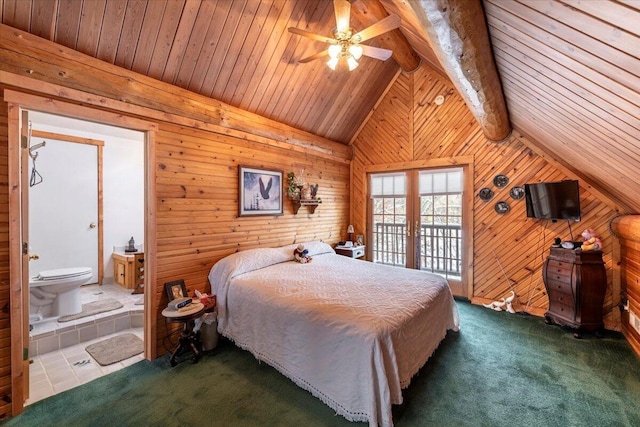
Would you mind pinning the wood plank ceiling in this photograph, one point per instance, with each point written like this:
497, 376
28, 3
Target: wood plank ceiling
236, 51
570, 72
570, 69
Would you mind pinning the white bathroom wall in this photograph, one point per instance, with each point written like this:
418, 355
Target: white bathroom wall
123, 179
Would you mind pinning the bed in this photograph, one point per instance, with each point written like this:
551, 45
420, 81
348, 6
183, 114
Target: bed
353, 333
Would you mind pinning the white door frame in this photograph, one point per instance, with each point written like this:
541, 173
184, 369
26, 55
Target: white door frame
17, 102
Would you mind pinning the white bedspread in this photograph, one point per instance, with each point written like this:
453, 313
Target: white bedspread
351, 332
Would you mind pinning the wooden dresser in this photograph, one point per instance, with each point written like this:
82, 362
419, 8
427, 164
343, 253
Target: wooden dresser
576, 283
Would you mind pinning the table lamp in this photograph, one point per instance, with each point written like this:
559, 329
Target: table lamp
350, 231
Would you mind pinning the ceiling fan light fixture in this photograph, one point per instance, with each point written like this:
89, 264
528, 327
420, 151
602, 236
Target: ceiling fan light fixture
351, 61
355, 51
344, 50
334, 50
333, 63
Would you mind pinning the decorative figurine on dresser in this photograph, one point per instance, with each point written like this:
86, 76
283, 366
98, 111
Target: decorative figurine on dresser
576, 282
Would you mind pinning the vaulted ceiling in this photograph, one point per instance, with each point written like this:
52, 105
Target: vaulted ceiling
238, 52
570, 69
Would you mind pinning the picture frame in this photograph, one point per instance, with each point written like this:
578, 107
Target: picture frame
176, 289
259, 191
359, 240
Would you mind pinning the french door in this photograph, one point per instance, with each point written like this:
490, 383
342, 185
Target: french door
416, 220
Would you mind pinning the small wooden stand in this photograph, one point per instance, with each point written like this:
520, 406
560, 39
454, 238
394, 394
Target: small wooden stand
128, 270
189, 340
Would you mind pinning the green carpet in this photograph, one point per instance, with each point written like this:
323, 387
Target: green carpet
499, 370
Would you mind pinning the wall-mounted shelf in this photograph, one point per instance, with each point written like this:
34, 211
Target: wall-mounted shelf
310, 204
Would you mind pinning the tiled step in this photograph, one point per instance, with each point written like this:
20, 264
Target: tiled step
68, 336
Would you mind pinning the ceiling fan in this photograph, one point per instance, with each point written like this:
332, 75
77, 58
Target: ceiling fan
344, 45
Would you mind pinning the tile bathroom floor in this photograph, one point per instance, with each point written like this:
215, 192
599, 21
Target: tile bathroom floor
57, 371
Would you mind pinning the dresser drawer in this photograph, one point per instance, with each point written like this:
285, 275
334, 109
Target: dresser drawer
563, 255
559, 269
559, 298
560, 286
558, 277
567, 312
352, 252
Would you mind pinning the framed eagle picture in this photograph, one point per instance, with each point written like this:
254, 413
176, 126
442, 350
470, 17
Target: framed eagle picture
260, 191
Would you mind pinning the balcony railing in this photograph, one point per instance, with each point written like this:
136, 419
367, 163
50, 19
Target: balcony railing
439, 247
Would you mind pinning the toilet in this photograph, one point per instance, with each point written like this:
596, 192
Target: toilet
55, 293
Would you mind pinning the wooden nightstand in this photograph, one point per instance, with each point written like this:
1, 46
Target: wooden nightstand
352, 252
128, 270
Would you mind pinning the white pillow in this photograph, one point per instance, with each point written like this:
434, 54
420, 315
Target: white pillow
318, 248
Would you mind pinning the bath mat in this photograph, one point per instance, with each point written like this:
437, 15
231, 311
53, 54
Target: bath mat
115, 349
92, 308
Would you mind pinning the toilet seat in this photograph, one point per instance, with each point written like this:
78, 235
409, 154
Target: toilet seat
63, 273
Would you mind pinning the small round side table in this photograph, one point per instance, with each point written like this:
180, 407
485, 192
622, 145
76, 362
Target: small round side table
188, 339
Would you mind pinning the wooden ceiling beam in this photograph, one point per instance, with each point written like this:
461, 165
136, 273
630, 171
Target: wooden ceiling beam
457, 32
368, 12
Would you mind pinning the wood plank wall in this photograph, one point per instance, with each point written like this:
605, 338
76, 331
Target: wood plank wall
408, 126
5, 325
198, 147
197, 204
197, 212
627, 228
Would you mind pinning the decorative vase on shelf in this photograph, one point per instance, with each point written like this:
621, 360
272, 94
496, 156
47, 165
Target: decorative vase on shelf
305, 193
314, 191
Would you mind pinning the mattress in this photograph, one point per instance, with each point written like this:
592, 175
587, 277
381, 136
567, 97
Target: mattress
351, 332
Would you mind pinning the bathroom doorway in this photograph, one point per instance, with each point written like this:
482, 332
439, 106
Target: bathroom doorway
86, 198
20, 105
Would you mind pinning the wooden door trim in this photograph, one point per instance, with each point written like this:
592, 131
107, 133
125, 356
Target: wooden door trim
419, 164
99, 145
17, 101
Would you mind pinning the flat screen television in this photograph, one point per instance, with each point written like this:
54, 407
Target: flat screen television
553, 200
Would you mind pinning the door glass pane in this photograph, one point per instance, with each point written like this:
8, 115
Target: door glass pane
440, 241
388, 192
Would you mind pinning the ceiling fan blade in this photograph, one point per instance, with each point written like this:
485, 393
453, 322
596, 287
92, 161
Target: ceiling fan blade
342, 10
376, 52
314, 57
311, 35
389, 23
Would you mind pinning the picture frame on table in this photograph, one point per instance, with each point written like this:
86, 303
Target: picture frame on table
176, 289
359, 240
259, 191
